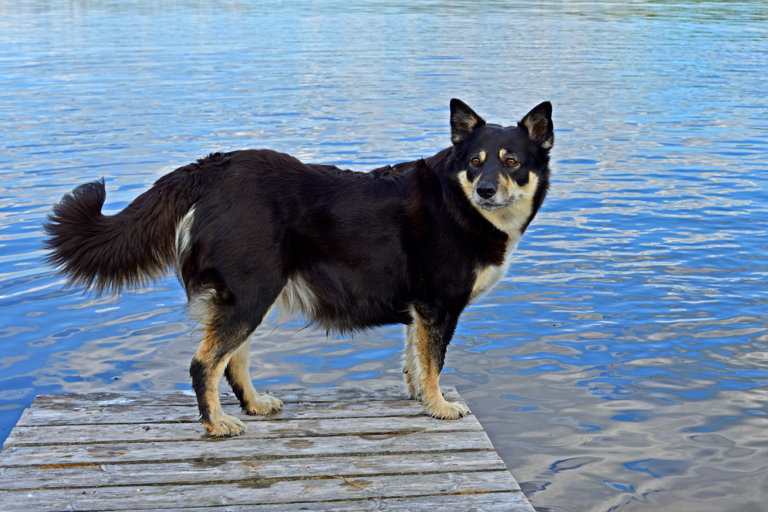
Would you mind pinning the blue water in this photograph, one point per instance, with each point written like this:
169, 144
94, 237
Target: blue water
622, 364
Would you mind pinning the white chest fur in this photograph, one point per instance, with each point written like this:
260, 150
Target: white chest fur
489, 276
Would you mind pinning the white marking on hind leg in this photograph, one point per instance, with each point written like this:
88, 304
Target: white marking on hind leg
199, 306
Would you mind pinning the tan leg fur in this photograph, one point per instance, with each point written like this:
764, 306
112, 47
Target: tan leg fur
409, 364
428, 376
217, 424
238, 375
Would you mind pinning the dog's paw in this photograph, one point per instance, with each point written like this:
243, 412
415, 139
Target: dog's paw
410, 384
265, 404
448, 410
224, 426
413, 392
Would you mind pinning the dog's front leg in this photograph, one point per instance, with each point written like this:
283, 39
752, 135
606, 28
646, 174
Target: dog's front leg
410, 364
429, 335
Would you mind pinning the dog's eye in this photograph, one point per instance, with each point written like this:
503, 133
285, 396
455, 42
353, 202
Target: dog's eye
475, 161
511, 162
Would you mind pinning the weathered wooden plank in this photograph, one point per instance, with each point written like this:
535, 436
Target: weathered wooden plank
247, 468
172, 414
100, 433
288, 395
242, 446
285, 492
486, 502
329, 449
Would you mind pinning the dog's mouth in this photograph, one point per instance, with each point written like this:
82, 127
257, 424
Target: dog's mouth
491, 204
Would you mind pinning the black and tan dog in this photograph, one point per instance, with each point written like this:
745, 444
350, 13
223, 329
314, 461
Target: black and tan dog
413, 244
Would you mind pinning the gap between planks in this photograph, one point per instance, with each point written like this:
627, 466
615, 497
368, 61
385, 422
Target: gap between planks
330, 449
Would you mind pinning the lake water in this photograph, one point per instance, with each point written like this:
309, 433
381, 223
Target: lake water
622, 364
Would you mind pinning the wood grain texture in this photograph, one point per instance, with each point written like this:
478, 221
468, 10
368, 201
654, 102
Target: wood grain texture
329, 449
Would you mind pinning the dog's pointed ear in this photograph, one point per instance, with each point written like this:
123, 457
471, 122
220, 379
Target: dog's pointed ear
538, 123
464, 120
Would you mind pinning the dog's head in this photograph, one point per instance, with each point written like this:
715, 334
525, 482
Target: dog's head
499, 166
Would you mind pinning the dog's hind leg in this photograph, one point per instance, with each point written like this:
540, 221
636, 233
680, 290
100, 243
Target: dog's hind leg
239, 379
431, 332
229, 320
206, 370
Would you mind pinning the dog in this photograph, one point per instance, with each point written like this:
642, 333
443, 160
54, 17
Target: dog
247, 230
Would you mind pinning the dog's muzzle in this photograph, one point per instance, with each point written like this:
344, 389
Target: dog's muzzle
488, 197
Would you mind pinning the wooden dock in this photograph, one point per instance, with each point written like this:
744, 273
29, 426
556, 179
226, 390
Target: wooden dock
329, 449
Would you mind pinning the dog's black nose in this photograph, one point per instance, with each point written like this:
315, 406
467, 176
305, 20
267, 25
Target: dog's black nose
485, 190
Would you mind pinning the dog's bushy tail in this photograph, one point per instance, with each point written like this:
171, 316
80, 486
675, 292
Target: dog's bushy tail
136, 245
